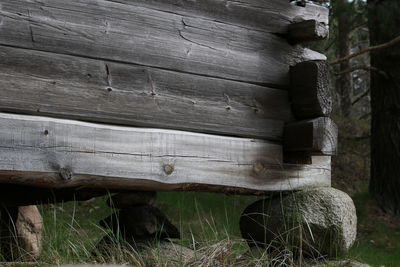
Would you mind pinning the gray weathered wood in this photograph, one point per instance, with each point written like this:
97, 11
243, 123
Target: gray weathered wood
35, 82
315, 137
309, 92
306, 31
33, 151
272, 16
148, 37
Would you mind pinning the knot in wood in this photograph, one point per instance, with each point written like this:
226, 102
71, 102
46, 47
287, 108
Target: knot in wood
168, 169
258, 167
65, 174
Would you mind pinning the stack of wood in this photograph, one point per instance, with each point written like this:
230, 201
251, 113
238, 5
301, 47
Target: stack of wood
230, 101
162, 95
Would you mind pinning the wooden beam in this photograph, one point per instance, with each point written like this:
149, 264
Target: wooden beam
34, 150
306, 31
150, 37
309, 89
259, 14
34, 82
313, 137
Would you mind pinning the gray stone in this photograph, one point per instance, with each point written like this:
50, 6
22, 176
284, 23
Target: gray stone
20, 233
314, 222
29, 226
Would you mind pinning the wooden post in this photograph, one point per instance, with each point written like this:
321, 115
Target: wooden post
309, 90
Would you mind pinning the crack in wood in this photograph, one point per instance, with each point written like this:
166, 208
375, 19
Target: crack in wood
108, 77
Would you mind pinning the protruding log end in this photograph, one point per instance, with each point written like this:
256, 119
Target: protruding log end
307, 31
312, 137
309, 89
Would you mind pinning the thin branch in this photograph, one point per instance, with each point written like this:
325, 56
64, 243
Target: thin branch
365, 116
368, 49
357, 27
329, 46
366, 68
352, 69
360, 97
361, 43
358, 138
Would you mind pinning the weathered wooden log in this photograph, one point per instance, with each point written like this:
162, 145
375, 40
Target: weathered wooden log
259, 14
309, 90
34, 149
306, 31
148, 36
45, 83
313, 137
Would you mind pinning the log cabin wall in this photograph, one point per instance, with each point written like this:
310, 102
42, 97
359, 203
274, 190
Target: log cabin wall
226, 68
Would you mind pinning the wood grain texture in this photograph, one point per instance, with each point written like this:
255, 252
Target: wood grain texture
152, 37
307, 31
273, 16
33, 151
310, 92
314, 137
35, 82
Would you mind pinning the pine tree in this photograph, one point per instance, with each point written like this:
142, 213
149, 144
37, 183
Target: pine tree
384, 25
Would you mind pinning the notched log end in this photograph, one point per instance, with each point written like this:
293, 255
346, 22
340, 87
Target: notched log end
325, 137
316, 137
309, 89
307, 31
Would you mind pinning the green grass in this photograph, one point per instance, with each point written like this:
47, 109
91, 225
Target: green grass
378, 241
72, 231
205, 215
208, 223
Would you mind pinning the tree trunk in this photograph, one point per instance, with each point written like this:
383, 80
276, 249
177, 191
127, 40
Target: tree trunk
384, 21
344, 81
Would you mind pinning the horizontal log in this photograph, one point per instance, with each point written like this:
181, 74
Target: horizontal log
309, 90
306, 31
34, 82
148, 37
313, 137
272, 16
35, 150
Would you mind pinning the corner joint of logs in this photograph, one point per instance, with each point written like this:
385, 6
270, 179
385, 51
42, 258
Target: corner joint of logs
306, 138
307, 31
309, 92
